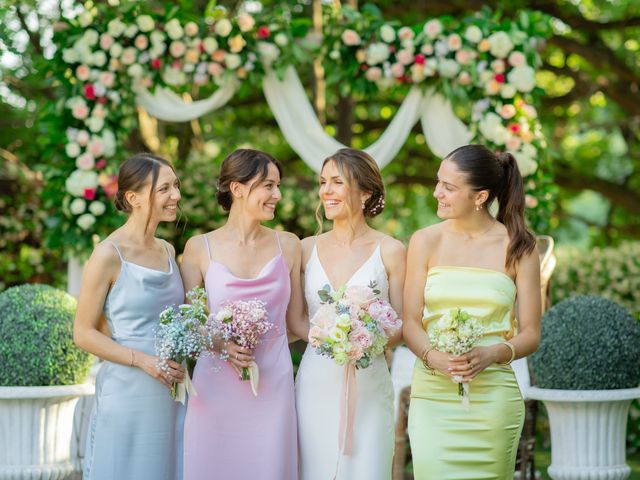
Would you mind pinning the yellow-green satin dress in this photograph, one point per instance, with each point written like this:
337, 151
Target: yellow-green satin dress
447, 441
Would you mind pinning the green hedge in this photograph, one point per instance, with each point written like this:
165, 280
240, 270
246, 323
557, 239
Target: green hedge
588, 343
610, 272
36, 328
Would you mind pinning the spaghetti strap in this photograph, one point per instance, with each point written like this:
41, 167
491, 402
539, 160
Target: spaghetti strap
166, 247
206, 242
117, 250
278, 239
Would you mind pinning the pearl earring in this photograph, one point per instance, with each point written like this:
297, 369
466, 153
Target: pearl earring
363, 205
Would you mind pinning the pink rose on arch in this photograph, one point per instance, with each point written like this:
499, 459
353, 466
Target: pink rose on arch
405, 57
405, 33
107, 79
141, 42
373, 74
517, 59
464, 78
359, 294
513, 144
83, 72
106, 41
80, 111
350, 38
85, 162
82, 138
454, 42
215, 69
507, 111
96, 147
464, 57
397, 70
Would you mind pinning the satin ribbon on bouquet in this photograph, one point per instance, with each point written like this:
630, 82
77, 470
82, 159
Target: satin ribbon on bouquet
252, 374
463, 391
348, 403
184, 388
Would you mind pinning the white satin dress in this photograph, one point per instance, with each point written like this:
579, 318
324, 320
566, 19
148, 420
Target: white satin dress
318, 394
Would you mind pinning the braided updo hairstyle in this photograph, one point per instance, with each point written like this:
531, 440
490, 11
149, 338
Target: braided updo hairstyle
241, 166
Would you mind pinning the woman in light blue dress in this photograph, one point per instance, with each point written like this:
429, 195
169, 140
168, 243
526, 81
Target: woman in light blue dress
135, 432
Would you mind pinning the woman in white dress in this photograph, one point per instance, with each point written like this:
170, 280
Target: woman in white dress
351, 253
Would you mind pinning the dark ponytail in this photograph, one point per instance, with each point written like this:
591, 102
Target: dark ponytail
500, 176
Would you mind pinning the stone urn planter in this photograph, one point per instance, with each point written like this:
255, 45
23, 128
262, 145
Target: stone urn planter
36, 426
41, 379
587, 372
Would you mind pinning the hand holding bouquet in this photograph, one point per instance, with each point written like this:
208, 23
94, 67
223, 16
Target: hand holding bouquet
456, 332
180, 336
243, 322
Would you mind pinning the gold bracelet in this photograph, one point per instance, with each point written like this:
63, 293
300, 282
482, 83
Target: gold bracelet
425, 360
513, 353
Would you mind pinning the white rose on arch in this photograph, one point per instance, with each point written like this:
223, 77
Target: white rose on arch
492, 128
174, 29
501, 44
96, 207
91, 37
377, 53
72, 149
473, 34
174, 76
145, 23
86, 221
79, 180
269, 53
525, 159
448, 68
522, 78
116, 28
387, 33
223, 27
232, 60
78, 206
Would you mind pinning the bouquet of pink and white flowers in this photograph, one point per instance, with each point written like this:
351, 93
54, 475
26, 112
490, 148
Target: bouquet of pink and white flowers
243, 322
352, 325
456, 332
181, 336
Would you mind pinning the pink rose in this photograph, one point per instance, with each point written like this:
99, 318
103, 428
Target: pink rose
82, 138
315, 334
246, 22
96, 147
106, 41
373, 74
215, 69
85, 161
355, 353
83, 72
498, 66
361, 338
218, 55
405, 57
359, 294
507, 111
397, 70
141, 42
107, 79
517, 59
464, 78
325, 317
464, 57
405, 33
530, 202
427, 49
454, 42
80, 111
350, 38
384, 314
177, 49
513, 143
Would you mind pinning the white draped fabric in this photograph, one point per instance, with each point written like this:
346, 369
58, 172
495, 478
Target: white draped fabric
301, 128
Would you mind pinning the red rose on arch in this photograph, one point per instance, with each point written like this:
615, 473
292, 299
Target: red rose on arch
89, 193
89, 92
263, 32
499, 77
156, 64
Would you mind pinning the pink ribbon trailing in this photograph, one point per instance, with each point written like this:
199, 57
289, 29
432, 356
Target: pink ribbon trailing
348, 409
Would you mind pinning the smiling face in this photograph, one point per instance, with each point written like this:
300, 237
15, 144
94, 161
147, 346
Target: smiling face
339, 199
259, 196
455, 196
159, 205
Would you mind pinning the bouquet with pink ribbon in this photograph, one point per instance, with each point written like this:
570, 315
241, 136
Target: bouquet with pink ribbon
243, 322
352, 327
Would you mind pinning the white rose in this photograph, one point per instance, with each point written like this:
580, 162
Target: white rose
82, 138
522, 78
79, 180
281, 39
78, 206
501, 44
490, 125
115, 27
86, 221
210, 45
507, 91
174, 76
91, 37
95, 124
223, 27
145, 23
72, 149
448, 68
99, 59
115, 51
109, 141
387, 33
473, 34
85, 19
156, 37
232, 61
157, 50
377, 53
177, 49
135, 71
526, 160
69, 55
131, 31
174, 29
129, 56
97, 208
268, 53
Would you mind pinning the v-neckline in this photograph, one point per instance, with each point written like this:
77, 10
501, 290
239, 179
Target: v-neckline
260, 274
326, 276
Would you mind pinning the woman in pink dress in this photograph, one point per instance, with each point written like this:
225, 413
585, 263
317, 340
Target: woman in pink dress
230, 433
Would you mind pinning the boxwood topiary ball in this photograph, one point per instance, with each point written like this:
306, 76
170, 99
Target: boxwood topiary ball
588, 343
36, 338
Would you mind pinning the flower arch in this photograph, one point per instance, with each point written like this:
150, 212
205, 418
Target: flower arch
469, 80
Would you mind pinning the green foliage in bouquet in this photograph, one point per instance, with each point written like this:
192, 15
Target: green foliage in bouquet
612, 272
37, 349
588, 343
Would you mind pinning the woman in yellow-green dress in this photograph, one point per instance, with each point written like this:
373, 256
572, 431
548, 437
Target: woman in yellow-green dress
480, 264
